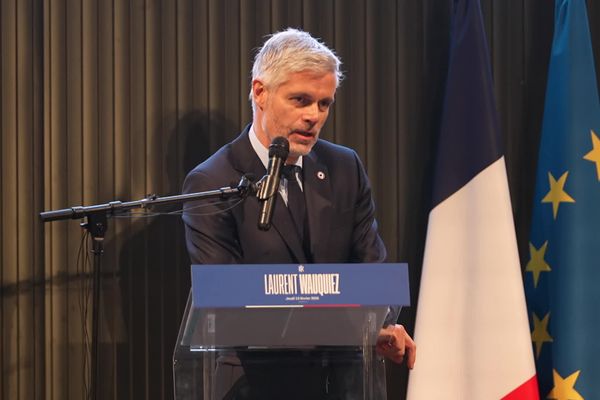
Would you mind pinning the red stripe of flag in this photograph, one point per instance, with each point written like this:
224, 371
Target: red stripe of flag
528, 390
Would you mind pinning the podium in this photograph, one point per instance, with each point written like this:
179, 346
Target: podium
289, 331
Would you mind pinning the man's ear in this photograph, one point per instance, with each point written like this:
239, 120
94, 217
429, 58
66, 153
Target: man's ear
259, 93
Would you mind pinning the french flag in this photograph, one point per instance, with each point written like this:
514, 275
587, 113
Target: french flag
472, 329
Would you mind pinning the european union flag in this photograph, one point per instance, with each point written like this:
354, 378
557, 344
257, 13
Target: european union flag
563, 272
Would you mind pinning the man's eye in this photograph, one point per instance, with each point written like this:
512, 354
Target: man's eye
299, 100
324, 105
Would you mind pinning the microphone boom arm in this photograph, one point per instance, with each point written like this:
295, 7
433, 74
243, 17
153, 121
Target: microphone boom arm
244, 188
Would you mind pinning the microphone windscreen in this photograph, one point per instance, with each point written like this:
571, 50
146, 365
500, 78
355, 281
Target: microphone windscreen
280, 147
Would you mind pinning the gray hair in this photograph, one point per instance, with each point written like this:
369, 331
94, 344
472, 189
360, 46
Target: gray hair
293, 51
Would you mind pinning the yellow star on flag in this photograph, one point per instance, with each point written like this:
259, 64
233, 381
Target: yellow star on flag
540, 334
536, 263
557, 194
594, 154
563, 388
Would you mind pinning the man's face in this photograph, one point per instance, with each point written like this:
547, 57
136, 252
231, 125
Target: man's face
296, 110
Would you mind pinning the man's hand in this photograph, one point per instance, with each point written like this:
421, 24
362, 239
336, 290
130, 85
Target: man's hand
396, 344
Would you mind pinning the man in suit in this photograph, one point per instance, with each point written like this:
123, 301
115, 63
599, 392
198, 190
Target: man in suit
294, 81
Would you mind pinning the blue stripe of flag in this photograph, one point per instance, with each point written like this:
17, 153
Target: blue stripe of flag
469, 136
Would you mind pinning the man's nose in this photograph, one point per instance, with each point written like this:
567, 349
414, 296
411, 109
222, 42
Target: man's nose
311, 113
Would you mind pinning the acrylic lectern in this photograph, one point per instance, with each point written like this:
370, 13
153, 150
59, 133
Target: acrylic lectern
262, 332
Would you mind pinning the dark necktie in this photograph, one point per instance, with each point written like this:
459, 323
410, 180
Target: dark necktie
296, 204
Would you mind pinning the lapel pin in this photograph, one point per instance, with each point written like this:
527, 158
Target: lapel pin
321, 175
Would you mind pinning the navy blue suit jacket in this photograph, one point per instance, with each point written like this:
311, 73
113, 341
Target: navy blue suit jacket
341, 216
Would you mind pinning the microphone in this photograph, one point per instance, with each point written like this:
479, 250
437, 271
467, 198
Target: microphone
278, 153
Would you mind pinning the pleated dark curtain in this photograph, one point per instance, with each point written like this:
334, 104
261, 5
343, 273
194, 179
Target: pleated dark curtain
106, 100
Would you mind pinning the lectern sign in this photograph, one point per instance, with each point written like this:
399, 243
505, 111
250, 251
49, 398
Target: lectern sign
307, 285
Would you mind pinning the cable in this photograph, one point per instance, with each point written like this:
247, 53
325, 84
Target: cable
145, 214
82, 267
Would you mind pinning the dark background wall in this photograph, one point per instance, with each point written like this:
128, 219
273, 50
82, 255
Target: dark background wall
106, 100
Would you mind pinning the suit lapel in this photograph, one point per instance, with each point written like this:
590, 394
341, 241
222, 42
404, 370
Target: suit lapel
243, 157
245, 160
317, 191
